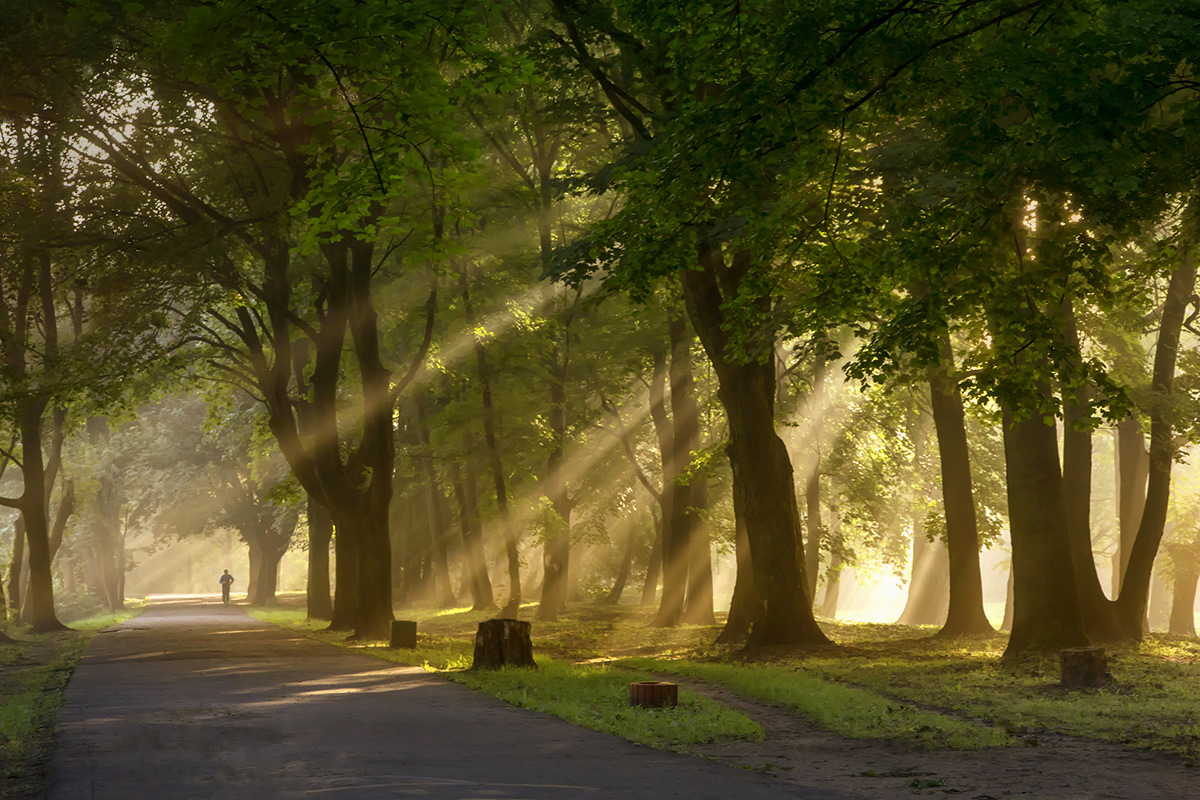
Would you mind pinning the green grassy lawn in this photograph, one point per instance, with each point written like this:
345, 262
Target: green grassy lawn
882, 681
33, 676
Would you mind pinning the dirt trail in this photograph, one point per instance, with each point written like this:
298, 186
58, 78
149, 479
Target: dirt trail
200, 701
1058, 768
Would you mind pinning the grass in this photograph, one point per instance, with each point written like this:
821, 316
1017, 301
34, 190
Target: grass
595, 696
1154, 702
848, 710
883, 681
33, 677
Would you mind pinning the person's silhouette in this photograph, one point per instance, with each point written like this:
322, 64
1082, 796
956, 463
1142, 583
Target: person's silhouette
226, 582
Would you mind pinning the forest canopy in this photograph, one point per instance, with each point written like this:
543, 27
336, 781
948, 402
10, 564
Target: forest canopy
699, 305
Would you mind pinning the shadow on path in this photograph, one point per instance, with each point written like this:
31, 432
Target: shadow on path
195, 700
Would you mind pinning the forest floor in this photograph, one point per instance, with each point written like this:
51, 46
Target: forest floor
889, 711
34, 671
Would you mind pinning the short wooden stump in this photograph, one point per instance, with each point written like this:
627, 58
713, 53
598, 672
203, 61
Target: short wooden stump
503, 642
404, 633
653, 694
1084, 668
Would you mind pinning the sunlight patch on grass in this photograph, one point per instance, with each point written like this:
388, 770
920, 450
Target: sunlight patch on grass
847, 710
597, 697
1152, 703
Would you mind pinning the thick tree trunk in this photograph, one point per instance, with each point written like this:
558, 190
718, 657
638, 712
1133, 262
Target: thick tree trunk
1098, 616
762, 471
254, 578
1046, 612
38, 603
345, 590
1135, 588
965, 615
320, 534
1186, 569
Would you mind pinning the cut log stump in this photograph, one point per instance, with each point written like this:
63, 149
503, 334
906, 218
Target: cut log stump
404, 633
503, 643
653, 694
1084, 667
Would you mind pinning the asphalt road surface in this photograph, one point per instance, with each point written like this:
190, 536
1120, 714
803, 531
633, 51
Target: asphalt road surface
191, 701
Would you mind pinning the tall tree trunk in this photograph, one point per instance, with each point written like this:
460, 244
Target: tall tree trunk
345, 590
1046, 612
1135, 588
812, 491
256, 560
618, 587
965, 615
698, 607
1186, 572
833, 585
16, 566
654, 563
1098, 616
1133, 470
557, 549
465, 493
762, 470
672, 551
320, 534
439, 525
39, 597
496, 466
692, 540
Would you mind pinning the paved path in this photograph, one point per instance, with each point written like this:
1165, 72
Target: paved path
201, 701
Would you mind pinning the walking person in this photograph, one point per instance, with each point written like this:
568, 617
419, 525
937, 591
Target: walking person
226, 582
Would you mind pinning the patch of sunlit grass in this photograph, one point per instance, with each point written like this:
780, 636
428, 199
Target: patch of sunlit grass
597, 697
848, 710
1152, 702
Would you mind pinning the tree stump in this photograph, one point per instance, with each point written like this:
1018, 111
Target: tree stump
503, 643
653, 694
404, 633
1084, 667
